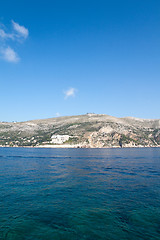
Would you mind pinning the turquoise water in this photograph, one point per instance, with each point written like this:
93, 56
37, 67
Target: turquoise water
90, 194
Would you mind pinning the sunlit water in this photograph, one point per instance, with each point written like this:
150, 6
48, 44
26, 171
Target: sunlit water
79, 194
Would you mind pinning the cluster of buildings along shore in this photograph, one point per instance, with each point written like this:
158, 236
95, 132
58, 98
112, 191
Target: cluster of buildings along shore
62, 141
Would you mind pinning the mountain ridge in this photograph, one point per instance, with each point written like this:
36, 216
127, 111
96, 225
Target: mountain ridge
89, 130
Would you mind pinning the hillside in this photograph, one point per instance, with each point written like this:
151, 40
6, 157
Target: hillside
90, 130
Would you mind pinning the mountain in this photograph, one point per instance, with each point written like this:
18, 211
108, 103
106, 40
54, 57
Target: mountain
90, 130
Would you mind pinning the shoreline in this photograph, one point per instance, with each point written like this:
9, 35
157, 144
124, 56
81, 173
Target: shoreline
74, 147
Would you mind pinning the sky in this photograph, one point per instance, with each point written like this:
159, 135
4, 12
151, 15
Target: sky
60, 58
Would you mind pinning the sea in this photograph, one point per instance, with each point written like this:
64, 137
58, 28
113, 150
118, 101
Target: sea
76, 194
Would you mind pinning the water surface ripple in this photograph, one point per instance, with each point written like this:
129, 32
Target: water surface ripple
89, 194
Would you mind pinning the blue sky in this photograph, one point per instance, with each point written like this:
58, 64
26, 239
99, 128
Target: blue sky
62, 58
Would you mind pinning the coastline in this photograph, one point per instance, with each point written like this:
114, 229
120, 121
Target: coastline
77, 147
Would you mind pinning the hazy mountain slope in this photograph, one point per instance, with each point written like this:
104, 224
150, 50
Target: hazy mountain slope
90, 130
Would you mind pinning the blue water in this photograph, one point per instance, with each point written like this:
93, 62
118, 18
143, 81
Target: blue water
90, 194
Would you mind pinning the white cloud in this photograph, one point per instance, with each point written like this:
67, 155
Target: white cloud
5, 35
21, 30
10, 55
2, 33
17, 34
70, 93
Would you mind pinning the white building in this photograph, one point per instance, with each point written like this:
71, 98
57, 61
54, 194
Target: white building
59, 139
